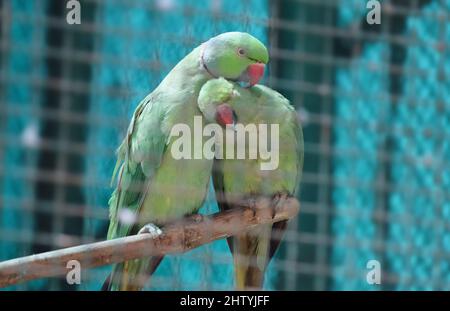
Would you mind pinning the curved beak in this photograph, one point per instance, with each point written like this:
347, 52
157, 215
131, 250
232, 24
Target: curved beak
225, 116
252, 75
255, 72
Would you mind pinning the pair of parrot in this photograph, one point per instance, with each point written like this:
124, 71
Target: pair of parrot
155, 188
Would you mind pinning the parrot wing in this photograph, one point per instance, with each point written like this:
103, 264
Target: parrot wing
279, 228
139, 156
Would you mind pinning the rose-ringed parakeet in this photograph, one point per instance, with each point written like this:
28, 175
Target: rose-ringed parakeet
152, 186
236, 179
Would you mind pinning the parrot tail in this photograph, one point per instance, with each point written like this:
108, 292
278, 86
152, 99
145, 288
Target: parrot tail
131, 275
248, 277
251, 257
106, 284
252, 253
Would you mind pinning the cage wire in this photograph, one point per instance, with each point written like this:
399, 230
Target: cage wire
373, 100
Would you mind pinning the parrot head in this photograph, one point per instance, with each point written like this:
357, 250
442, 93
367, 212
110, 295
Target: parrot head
235, 56
214, 102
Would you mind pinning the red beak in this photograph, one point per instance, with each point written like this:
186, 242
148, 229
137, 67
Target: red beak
255, 72
225, 115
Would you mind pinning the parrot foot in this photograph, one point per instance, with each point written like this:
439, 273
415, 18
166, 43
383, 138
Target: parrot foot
197, 218
278, 200
151, 229
252, 204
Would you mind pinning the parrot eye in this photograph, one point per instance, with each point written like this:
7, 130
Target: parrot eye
241, 51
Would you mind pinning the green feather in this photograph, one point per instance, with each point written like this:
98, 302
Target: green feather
151, 184
244, 178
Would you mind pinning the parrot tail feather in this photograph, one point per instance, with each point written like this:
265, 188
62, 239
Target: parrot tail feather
106, 285
249, 278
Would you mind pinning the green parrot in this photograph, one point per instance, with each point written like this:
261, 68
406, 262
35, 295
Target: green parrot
236, 179
153, 187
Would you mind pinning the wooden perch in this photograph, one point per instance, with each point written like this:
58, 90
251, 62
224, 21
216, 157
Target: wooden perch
177, 237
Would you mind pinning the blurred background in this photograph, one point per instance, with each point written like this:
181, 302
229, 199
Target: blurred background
373, 99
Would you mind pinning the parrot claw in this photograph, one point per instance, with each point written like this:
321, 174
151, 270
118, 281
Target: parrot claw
197, 218
151, 229
252, 204
278, 200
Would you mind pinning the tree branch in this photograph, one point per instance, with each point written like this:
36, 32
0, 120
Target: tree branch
177, 237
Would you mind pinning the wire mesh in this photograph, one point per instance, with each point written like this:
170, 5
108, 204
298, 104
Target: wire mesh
372, 100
